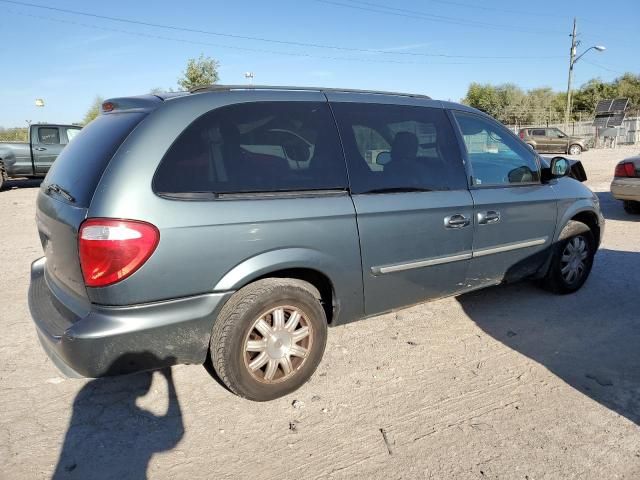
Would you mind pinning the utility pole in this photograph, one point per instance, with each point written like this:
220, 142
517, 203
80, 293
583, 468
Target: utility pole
572, 57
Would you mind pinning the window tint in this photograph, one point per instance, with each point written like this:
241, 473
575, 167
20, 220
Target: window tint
256, 147
538, 133
80, 165
49, 135
399, 147
496, 156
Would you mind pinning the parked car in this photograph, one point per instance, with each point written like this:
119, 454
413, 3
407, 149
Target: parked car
34, 158
552, 140
191, 233
626, 184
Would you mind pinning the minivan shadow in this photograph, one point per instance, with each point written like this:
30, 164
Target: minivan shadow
613, 209
590, 339
109, 435
22, 183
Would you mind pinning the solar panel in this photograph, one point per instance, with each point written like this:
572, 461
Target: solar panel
615, 120
603, 106
619, 105
601, 120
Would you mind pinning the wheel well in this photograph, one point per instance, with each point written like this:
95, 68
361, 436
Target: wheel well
315, 278
591, 220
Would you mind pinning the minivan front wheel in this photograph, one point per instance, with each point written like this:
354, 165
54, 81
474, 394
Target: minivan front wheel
269, 338
571, 262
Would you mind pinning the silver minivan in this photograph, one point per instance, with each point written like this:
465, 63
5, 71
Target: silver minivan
233, 225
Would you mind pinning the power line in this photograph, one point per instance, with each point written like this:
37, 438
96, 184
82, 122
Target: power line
417, 15
495, 9
602, 66
248, 49
259, 39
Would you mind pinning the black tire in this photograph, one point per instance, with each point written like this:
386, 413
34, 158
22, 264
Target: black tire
632, 207
577, 148
3, 176
556, 281
531, 146
235, 328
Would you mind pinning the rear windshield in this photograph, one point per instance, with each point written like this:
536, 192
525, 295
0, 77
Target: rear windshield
80, 165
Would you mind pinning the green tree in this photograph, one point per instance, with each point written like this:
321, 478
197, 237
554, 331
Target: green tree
94, 110
199, 72
589, 94
483, 97
17, 134
507, 102
510, 104
628, 85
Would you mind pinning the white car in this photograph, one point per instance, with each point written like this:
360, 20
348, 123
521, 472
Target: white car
626, 184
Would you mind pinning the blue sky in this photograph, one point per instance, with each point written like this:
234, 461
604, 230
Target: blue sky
68, 59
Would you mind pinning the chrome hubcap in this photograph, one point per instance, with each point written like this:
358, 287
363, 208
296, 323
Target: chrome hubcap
574, 151
277, 344
573, 260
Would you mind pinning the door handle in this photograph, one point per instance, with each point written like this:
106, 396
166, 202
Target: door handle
39, 149
489, 217
456, 221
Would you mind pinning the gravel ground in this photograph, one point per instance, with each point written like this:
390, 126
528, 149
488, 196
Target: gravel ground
510, 382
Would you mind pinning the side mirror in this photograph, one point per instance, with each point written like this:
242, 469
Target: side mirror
560, 167
382, 158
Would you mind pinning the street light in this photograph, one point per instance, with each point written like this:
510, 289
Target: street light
572, 61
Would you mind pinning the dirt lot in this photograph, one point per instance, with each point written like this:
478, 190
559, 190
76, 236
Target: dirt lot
510, 383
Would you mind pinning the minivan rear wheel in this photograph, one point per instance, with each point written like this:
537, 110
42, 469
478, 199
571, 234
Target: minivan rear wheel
575, 150
571, 262
269, 338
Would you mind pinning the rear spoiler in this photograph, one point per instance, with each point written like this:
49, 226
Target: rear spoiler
142, 103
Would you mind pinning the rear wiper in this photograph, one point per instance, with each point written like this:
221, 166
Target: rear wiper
54, 187
398, 190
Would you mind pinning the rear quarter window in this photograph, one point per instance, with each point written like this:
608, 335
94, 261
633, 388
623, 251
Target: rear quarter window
82, 162
255, 148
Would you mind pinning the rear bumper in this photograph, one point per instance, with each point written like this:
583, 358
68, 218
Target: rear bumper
116, 340
626, 188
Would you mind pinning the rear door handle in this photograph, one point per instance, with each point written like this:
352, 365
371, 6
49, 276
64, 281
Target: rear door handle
39, 149
456, 221
489, 217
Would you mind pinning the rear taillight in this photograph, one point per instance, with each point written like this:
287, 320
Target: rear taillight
625, 170
111, 250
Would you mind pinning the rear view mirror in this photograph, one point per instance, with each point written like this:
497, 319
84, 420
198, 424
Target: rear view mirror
382, 158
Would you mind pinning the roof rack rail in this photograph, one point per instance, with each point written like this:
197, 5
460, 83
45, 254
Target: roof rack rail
226, 88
